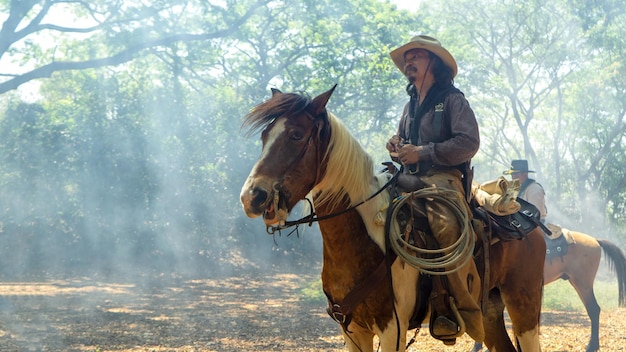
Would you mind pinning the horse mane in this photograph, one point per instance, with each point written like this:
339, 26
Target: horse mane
349, 168
265, 113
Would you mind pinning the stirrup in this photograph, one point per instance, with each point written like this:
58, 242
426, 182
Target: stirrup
454, 328
444, 329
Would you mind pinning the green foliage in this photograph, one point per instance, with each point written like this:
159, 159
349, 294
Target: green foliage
548, 89
312, 292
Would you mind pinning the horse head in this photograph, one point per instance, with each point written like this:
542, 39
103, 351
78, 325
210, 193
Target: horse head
294, 141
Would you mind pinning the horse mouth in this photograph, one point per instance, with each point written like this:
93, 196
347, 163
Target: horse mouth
269, 215
273, 216
259, 199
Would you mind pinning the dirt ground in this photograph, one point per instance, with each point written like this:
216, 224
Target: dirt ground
236, 313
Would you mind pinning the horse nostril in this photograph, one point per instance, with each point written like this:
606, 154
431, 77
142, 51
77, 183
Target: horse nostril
259, 197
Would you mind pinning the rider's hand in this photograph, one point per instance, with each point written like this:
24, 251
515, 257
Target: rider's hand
408, 154
393, 146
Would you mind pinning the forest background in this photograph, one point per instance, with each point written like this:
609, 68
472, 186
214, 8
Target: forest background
121, 151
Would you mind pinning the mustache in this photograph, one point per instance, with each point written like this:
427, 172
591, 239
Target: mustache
409, 73
410, 69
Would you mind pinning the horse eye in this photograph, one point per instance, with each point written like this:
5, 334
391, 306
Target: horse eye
296, 137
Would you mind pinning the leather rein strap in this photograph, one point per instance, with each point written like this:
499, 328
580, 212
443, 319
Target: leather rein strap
341, 311
313, 217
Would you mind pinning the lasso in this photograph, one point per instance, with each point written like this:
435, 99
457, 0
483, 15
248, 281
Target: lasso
434, 261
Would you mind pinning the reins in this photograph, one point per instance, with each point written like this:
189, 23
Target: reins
313, 217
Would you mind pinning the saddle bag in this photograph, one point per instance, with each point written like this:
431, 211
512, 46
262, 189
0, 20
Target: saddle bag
556, 248
517, 225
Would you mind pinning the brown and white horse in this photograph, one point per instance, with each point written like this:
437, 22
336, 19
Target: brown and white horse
579, 266
308, 151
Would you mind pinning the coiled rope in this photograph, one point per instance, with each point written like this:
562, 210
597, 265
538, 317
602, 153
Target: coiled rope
441, 261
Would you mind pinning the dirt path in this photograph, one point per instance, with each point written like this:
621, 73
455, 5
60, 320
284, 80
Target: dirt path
243, 313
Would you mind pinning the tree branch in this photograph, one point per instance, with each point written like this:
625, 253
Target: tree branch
124, 55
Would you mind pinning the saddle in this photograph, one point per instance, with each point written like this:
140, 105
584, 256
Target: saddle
513, 226
446, 323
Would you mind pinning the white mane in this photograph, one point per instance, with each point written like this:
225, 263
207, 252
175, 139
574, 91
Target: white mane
349, 170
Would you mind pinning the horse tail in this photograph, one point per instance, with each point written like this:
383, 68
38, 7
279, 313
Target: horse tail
617, 263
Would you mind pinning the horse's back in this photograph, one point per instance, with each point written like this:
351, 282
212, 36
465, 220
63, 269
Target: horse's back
581, 261
585, 240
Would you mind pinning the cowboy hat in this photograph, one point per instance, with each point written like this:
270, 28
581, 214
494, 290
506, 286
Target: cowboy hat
517, 166
428, 43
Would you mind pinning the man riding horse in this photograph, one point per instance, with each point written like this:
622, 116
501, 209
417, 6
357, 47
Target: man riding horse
436, 139
530, 190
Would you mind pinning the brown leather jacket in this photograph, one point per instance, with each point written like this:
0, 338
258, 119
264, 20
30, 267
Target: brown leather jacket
459, 137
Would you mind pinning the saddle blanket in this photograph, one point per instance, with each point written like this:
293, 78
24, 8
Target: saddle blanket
558, 231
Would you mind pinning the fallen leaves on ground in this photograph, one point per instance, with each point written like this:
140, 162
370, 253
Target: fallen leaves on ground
238, 313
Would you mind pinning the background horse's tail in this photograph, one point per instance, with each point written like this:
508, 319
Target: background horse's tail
617, 263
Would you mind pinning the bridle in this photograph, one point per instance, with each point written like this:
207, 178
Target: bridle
312, 217
278, 185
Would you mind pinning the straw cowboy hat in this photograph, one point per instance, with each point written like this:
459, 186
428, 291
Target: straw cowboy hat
424, 42
517, 166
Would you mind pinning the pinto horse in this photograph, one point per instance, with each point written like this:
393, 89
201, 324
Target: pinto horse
307, 151
579, 266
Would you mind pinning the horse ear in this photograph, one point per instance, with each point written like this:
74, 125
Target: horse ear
319, 102
276, 91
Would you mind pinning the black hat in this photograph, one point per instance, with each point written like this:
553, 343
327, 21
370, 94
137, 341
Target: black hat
518, 166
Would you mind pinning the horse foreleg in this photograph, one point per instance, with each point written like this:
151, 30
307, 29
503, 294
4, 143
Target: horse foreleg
496, 336
529, 340
392, 339
359, 339
364, 341
524, 312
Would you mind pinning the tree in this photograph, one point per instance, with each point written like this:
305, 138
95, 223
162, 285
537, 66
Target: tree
537, 78
152, 158
128, 28
515, 66
601, 105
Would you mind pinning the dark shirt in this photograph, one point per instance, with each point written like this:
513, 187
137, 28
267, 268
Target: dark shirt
459, 138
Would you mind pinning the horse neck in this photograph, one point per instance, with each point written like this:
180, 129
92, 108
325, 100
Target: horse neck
349, 249
349, 253
369, 211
